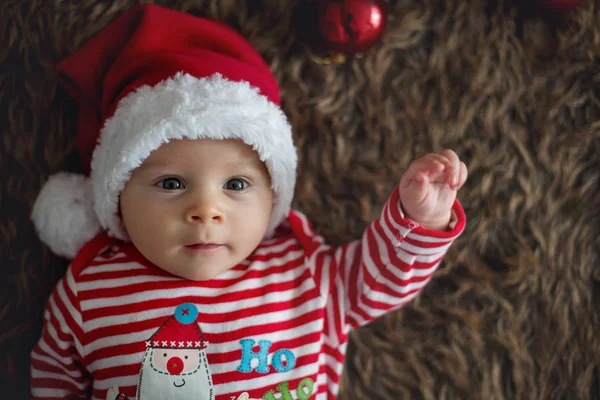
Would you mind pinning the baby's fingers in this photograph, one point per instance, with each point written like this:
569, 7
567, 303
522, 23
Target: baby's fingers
414, 188
429, 164
452, 168
446, 172
418, 172
462, 176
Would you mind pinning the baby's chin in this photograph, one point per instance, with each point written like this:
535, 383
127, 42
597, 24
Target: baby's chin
201, 277
203, 267
203, 274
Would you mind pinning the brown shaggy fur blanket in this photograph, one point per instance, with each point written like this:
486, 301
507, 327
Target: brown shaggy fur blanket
513, 313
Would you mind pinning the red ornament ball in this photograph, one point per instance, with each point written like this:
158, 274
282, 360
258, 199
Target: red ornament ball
352, 26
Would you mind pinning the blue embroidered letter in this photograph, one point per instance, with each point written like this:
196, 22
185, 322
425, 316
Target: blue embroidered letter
248, 354
290, 360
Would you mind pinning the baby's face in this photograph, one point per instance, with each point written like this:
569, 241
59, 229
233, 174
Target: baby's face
188, 192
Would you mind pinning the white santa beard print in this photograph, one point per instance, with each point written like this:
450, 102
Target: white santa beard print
155, 384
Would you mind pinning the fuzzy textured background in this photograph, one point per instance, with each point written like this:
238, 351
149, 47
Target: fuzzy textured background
514, 312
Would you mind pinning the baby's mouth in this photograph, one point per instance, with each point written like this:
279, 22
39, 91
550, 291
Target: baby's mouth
204, 246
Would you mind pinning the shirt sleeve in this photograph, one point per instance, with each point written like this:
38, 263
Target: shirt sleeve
57, 368
385, 269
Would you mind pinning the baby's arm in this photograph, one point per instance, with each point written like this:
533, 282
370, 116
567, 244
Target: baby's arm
56, 361
397, 255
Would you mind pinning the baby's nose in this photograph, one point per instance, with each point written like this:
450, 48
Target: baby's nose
175, 365
212, 215
204, 212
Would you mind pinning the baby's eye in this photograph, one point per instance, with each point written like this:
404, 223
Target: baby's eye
170, 184
236, 184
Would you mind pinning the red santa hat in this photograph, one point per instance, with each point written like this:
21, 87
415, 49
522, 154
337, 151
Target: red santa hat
151, 76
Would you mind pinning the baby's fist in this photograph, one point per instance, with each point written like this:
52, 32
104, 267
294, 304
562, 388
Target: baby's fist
428, 188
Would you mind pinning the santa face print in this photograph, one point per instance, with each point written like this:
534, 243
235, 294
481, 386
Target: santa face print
176, 361
196, 208
175, 365
175, 378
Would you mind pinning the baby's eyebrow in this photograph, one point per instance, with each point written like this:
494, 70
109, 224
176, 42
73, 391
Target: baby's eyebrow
246, 164
243, 163
160, 164
152, 164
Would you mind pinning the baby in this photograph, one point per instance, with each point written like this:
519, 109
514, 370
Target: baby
191, 276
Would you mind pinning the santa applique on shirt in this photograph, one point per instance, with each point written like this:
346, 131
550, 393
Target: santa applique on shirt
174, 365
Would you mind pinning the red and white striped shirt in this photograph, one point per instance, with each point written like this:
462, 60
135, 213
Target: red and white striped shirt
276, 325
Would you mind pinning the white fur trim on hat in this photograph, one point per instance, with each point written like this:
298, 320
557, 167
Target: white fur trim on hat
63, 214
187, 107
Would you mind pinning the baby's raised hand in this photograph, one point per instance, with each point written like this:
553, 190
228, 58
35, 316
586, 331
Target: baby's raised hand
428, 188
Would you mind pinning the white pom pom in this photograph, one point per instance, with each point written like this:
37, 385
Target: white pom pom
63, 214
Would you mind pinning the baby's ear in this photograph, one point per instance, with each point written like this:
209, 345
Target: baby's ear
122, 224
121, 220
